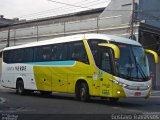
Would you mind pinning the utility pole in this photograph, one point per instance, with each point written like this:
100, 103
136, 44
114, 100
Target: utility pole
132, 19
8, 40
37, 32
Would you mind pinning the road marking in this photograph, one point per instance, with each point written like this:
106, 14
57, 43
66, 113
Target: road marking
135, 111
2, 100
129, 110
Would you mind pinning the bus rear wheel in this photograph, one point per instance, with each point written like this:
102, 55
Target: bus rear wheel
20, 87
45, 93
82, 92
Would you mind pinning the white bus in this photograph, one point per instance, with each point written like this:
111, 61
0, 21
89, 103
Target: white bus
85, 65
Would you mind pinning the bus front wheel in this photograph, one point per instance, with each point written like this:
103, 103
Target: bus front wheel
113, 100
82, 92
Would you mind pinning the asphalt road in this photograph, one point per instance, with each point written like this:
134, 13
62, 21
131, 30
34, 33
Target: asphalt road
19, 107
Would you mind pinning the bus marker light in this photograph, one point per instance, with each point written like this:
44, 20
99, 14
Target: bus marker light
95, 76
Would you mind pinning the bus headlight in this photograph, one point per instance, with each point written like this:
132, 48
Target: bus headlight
124, 85
118, 92
116, 82
119, 83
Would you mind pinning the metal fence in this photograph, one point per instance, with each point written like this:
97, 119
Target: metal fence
18, 36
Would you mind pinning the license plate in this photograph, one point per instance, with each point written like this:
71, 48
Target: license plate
137, 93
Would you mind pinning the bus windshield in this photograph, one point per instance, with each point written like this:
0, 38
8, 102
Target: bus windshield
133, 63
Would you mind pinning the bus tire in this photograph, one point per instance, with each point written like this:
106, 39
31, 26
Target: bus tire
113, 100
82, 92
20, 87
45, 93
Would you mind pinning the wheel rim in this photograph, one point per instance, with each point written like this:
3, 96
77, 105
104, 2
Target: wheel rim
82, 93
20, 88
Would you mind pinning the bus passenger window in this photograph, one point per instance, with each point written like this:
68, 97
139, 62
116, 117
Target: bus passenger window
43, 53
19, 56
101, 55
106, 62
28, 55
59, 52
77, 52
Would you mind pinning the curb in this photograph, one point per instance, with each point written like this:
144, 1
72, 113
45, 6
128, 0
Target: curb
155, 93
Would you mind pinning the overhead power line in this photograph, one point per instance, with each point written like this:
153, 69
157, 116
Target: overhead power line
69, 4
63, 8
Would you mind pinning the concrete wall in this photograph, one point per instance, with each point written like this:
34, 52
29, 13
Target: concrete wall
121, 13
146, 11
121, 8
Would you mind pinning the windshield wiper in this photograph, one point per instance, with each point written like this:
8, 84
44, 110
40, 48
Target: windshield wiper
144, 77
141, 71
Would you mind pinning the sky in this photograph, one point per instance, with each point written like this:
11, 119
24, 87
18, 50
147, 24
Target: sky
33, 9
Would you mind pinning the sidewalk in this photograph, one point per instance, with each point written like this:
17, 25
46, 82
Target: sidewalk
3, 88
155, 93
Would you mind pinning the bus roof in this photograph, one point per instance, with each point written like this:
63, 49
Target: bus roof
76, 38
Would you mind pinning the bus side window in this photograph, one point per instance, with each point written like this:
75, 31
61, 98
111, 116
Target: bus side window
9, 56
38, 54
78, 52
19, 56
53, 52
5, 57
59, 52
105, 63
101, 55
46, 53
95, 50
0, 54
43, 53
28, 56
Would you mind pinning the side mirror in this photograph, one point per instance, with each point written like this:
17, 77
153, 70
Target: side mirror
154, 54
113, 47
